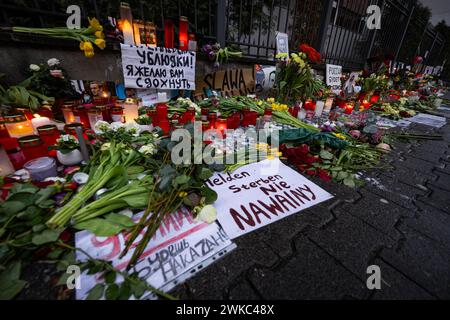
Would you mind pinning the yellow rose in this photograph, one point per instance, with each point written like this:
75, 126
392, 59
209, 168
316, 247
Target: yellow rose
100, 43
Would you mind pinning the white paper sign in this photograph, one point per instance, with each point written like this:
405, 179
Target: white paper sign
147, 67
180, 244
334, 74
429, 120
249, 199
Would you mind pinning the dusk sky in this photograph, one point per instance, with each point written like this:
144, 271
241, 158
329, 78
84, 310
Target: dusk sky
440, 10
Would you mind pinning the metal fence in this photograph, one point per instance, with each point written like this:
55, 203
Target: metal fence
336, 27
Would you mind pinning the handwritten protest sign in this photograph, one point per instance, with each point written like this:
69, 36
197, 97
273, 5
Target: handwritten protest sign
248, 199
180, 244
229, 82
334, 74
147, 67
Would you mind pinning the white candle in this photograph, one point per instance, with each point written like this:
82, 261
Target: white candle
319, 108
38, 121
302, 114
328, 105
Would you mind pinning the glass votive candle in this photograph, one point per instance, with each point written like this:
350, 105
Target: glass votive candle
3, 131
32, 147
164, 124
48, 134
161, 111
221, 125
117, 114
14, 153
349, 106
18, 126
81, 115
6, 167
67, 111
94, 115
70, 129
130, 110
212, 118
106, 115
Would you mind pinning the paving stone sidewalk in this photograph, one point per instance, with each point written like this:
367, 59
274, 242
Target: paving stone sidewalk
399, 221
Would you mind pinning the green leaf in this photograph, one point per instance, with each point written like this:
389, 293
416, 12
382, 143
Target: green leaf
48, 235
39, 227
180, 180
324, 154
10, 284
120, 219
209, 194
205, 173
112, 292
12, 207
349, 182
63, 279
110, 277
100, 227
139, 289
342, 175
96, 292
125, 291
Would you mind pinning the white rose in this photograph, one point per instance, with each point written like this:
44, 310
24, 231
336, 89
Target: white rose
116, 126
208, 214
34, 67
133, 128
105, 146
101, 127
52, 62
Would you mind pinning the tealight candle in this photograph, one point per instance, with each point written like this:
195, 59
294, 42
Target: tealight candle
67, 111
349, 107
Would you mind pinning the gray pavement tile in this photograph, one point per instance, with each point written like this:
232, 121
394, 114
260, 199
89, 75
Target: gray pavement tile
422, 260
395, 285
310, 274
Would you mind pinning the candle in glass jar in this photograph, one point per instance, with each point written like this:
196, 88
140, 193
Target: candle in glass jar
349, 107
221, 125
18, 126
48, 134
94, 115
6, 167
117, 114
15, 154
319, 108
130, 110
32, 147
67, 111
39, 121
328, 104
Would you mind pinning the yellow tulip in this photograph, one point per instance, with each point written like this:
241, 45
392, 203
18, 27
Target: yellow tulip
100, 43
82, 45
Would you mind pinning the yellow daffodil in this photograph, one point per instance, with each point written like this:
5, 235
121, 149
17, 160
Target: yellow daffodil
99, 34
270, 157
100, 43
88, 49
95, 24
182, 194
82, 45
340, 136
270, 100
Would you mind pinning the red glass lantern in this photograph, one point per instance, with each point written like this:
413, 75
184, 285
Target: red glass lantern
70, 129
81, 116
309, 105
15, 154
375, 98
349, 106
164, 124
32, 147
161, 111
183, 33
48, 134
3, 131
212, 118
117, 114
221, 125
168, 33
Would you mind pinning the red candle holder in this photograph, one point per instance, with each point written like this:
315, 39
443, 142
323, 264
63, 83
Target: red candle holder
48, 134
32, 147
81, 116
309, 105
161, 111
221, 125
168, 33
183, 33
349, 106
70, 129
164, 124
212, 118
14, 153
117, 114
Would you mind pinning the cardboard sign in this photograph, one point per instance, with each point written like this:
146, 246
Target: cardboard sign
179, 245
282, 43
158, 68
428, 120
334, 74
250, 198
229, 82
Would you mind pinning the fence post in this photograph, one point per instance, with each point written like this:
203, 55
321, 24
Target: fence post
220, 22
404, 33
327, 9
